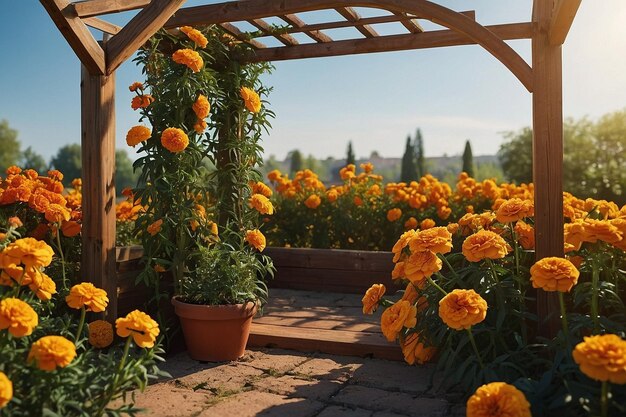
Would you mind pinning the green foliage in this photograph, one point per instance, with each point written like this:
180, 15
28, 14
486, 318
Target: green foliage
515, 156
68, 160
124, 175
32, 160
408, 170
468, 159
420, 158
296, 161
350, 158
9, 146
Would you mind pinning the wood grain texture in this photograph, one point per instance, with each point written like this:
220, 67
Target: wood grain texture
102, 25
136, 32
547, 154
351, 15
561, 21
412, 25
296, 23
77, 35
98, 156
99, 7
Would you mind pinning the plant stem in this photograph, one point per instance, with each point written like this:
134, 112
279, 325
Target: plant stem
443, 257
433, 283
595, 280
564, 317
62, 257
516, 252
471, 337
111, 391
604, 399
81, 323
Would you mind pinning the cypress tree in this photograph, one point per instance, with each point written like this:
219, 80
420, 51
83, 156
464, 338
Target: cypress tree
350, 159
468, 159
408, 171
418, 149
296, 162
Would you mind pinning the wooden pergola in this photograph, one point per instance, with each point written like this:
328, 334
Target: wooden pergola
551, 21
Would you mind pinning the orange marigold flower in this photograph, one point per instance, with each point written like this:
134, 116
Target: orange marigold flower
421, 265
174, 140
256, 239
554, 274
461, 309
398, 271
138, 134
602, 358
71, 228
6, 390
195, 35
15, 222
436, 239
332, 196
595, 230
411, 223
261, 204
498, 399
201, 107
347, 172
13, 170
513, 210
18, 317
394, 214
200, 126
427, 224
190, 58
484, 244
452, 228
372, 298
444, 212
89, 296
401, 314
358, 201
55, 174
159, 268
141, 102
414, 351
100, 333
251, 99
620, 224
574, 234
140, 326
313, 201
155, 227
410, 294
30, 252
41, 284
260, 188
51, 352
367, 167
402, 243
135, 86
56, 213
525, 234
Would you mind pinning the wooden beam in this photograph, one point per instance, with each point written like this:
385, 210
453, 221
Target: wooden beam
412, 25
430, 39
98, 174
136, 32
284, 38
562, 18
75, 32
234, 30
547, 156
346, 23
99, 7
297, 23
469, 13
102, 25
351, 15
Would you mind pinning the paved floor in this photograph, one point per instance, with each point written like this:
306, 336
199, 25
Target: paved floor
282, 383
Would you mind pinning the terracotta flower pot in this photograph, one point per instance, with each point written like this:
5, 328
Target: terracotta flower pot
215, 333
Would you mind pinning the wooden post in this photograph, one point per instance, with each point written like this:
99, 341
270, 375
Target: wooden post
547, 154
98, 171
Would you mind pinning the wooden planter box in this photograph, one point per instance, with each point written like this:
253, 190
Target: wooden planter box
330, 270
130, 296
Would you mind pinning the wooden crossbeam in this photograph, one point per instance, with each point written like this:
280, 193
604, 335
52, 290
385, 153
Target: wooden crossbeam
234, 30
562, 18
430, 39
77, 35
351, 15
412, 25
102, 25
91, 8
136, 32
346, 23
285, 38
297, 23
469, 13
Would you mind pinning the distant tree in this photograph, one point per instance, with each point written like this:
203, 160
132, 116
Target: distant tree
515, 156
296, 162
29, 159
489, 170
468, 159
350, 158
124, 175
418, 149
9, 146
375, 155
68, 161
408, 171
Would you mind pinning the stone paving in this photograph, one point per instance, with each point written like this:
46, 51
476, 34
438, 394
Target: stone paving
282, 383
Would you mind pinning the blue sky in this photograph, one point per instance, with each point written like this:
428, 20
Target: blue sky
375, 100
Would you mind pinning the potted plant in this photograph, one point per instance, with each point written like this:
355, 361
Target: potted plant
199, 183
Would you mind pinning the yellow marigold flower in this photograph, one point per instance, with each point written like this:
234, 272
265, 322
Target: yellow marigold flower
394, 214
554, 274
274, 175
251, 99
410, 294
620, 224
484, 244
421, 265
190, 58
135, 86
15, 222
513, 210
89, 296
195, 35
155, 227
444, 212
51, 352
261, 204
260, 188
372, 297
200, 126
6, 390
201, 107
174, 140
214, 228
461, 309
141, 102
402, 243
436, 239
525, 234
313, 201
602, 358
401, 314
18, 317
140, 326
414, 350
367, 167
498, 399
137, 134
595, 230
56, 213
452, 228
256, 239
41, 284
411, 223
427, 224
100, 333
574, 234
31, 252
